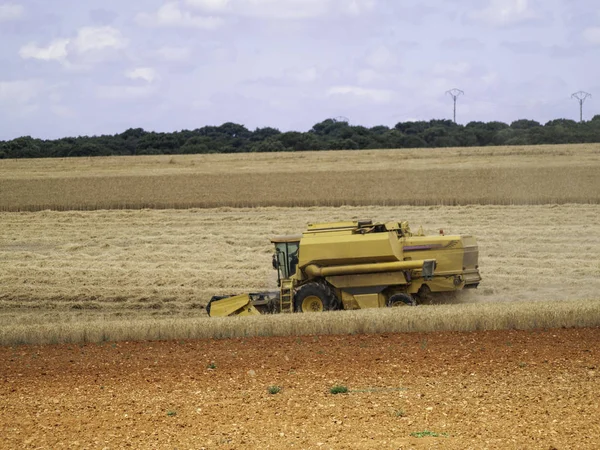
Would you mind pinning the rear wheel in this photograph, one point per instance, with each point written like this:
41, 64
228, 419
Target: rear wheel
397, 300
314, 297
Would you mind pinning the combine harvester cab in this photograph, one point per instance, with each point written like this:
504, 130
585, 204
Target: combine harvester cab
355, 265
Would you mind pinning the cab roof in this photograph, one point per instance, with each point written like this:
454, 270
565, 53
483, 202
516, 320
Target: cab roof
286, 238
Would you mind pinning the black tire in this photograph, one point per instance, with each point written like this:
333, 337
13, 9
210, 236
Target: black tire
401, 300
308, 296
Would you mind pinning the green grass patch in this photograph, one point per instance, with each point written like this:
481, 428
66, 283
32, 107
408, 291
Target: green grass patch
338, 389
274, 390
427, 433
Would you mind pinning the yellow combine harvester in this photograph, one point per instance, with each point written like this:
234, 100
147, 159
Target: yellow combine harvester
353, 265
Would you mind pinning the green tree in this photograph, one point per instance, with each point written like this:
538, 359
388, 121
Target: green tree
328, 134
23, 147
270, 144
261, 134
412, 141
332, 128
343, 144
233, 130
412, 127
197, 144
524, 124
89, 149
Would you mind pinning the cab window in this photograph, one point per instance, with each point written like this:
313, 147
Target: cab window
286, 254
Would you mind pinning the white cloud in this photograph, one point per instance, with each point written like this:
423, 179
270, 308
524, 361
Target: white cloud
288, 9
62, 111
209, 5
592, 35
505, 12
171, 15
303, 75
121, 92
381, 57
55, 51
20, 96
147, 74
458, 68
276, 9
98, 38
25, 97
292, 76
174, 53
11, 11
374, 95
379, 64
358, 7
490, 79
525, 47
19, 91
463, 44
368, 76
89, 40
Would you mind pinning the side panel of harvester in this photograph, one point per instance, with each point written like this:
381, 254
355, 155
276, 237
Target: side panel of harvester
456, 261
365, 265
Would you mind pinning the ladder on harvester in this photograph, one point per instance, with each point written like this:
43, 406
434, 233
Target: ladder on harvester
286, 296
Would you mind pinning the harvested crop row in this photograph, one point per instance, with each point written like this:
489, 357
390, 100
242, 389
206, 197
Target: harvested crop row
81, 267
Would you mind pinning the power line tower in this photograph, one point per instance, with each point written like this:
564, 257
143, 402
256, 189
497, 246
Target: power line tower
454, 93
581, 97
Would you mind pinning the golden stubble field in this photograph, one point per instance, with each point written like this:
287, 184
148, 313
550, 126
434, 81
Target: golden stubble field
82, 267
186, 256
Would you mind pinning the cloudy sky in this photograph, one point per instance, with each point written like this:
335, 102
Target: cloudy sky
72, 67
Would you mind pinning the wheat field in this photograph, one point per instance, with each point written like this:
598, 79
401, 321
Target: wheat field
84, 258
431, 318
460, 176
94, 270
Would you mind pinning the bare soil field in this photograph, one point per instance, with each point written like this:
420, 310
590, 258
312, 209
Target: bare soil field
460, 176
483, 390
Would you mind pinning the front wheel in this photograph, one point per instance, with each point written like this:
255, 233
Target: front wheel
314, 297
401, 300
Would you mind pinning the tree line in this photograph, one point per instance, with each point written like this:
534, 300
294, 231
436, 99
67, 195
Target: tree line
330, 134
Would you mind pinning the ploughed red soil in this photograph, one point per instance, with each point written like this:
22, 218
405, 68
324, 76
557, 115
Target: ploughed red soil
512, 389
